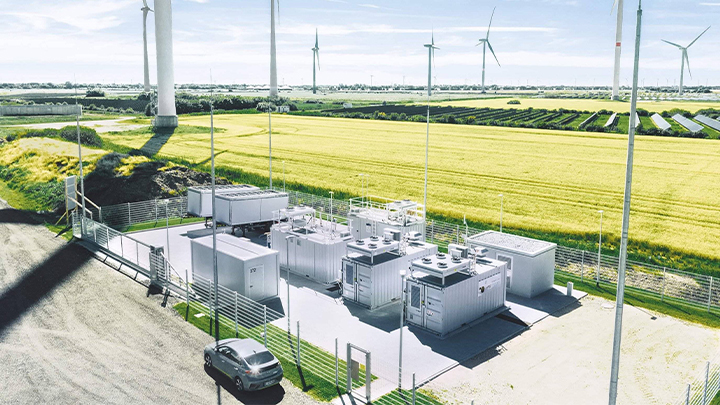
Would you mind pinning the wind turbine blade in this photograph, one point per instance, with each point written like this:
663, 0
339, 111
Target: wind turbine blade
672, 43
493, 52
698, 37
613, 6
491, 18
316, 39
687, 60
145, 3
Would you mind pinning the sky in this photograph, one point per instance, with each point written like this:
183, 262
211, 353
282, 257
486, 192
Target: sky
544, 42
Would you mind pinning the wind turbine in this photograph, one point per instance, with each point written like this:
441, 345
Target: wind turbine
145, 11
618, 46
684, 58
273, 53
431, 58
486, 42
316, 55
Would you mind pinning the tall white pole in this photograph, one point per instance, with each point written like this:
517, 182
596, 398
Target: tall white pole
597, 276
483, 72
402, 324
82, 177
146, 71
214, 223
615, 367
427, 133
270, 143
273, 53
618, 47
167, 115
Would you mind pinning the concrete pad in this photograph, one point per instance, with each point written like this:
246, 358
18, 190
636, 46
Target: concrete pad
531, 311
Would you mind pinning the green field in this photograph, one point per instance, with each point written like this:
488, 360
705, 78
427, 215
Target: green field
553, 181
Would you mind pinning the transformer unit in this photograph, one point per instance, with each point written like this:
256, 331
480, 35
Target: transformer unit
371, 216
371, 268
446, 293
530, 262
248, 208
313, 247
200, 197
245, 267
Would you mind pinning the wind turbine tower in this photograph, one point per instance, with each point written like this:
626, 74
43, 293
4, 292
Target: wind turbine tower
431, 58
316, 55
145, 11
684, 58
166, 116
486, 44
618, 47
273, 52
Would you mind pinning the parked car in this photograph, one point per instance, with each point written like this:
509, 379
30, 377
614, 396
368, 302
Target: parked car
248, 363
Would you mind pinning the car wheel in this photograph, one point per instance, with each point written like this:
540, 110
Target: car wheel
208, 360
239, 384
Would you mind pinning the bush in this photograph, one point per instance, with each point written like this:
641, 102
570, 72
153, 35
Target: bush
88, 136
514, 102
95, 93
149, 110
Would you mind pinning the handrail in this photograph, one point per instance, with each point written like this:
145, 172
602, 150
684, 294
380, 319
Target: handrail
92, 203
80, 205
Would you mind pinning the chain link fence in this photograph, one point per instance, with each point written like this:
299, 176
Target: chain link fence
705, 387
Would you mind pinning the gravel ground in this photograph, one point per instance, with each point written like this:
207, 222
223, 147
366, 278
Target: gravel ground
565, 359
100, 126
75, 331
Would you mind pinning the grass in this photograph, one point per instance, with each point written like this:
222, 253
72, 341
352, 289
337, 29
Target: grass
55, 118
553, 181
644, 299
583, 104
404, 397
161, 223
313, 385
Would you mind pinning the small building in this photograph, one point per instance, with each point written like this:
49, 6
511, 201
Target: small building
371, 216
200, 197
253, 207
530, 262
450, 292
371, 268
283, 109
347, 105
249, 269
313, 247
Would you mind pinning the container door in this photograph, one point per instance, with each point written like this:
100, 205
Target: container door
256, 282
415, 302
434, 309
292, 254
349, 290
363, 284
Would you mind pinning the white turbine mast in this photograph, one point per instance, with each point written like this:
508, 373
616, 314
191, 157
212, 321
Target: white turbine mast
273, 53
618, 49
145, 11
431, 60
684, 58
316, 56
485, 42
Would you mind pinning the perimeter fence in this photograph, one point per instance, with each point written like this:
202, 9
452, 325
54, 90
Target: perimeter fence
705, 387
663, 283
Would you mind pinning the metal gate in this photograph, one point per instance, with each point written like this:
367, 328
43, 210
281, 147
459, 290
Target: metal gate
356, 356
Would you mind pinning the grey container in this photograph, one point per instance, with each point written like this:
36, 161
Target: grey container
443, 306
371, 218
249, 207
245, 267
375, 281
200, 197
314, 252
530, 262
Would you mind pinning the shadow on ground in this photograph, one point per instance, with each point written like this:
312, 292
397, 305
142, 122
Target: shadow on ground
160, 137
272, 395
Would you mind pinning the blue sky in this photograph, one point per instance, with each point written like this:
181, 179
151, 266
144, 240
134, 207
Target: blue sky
536, 41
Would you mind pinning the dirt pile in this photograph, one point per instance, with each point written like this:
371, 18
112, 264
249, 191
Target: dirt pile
148, 180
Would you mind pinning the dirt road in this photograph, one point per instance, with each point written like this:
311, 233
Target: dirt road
74, 331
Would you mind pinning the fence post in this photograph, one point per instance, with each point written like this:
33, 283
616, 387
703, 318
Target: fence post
457, 234
187, 294
236, 311
156, 210
107, 237
298, 343
368, 378
413, 390
348, 374
687, 396
337, 363
129, 217
662, 296
710, 293
582, 267
432, 232
137, 254
705, 388
265, 325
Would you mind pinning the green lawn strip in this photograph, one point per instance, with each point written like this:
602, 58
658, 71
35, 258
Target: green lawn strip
647, 122
18, 200
43, 119
161, 223
579, 120
644, 299
623, 122
716, 400
320, 387
404, 397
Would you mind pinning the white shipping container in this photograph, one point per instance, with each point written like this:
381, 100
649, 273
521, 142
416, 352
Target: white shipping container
373, 216
245, 267
200, 197
444, 305
530, 262
249, 207
375, 281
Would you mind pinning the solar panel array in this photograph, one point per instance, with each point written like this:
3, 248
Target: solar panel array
660, 122
689, 125
712, 123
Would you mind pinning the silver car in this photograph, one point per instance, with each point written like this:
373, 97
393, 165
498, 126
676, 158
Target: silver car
248, 363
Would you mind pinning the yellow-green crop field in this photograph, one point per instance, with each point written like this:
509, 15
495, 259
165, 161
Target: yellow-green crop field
552, 180
581, 104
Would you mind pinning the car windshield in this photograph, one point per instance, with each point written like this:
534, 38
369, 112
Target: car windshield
259, 358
